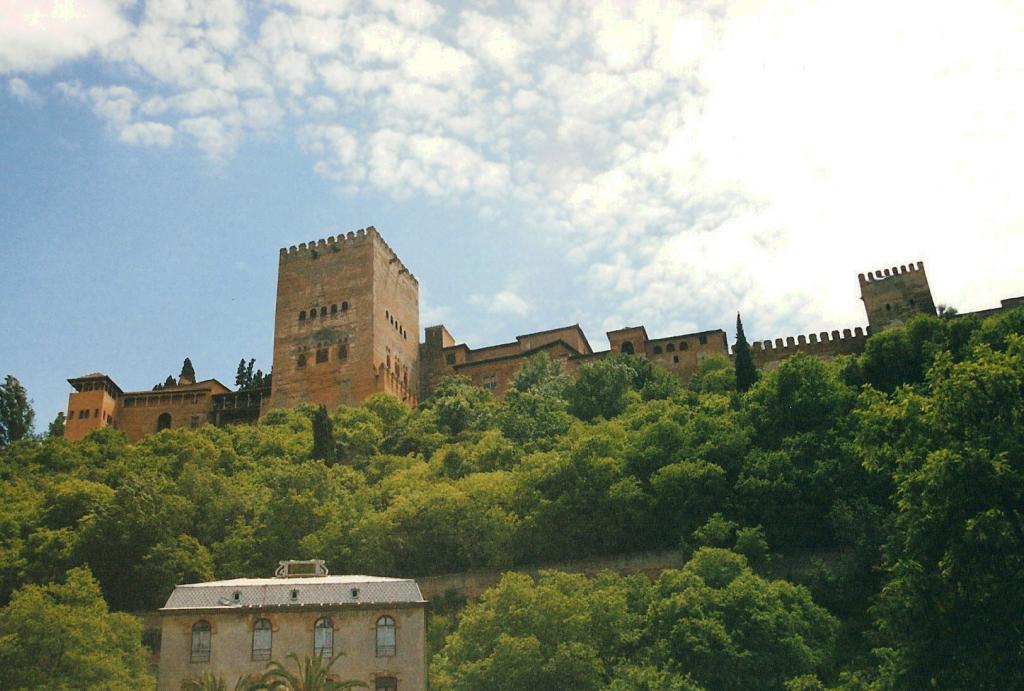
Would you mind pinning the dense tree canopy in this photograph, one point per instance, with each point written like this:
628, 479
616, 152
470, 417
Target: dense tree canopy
889, 484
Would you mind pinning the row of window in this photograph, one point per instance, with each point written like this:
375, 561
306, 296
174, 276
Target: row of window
163, 399
394, 322
322, 355
263, 639
303, 314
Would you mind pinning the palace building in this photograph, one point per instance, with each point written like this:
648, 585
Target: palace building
347, 326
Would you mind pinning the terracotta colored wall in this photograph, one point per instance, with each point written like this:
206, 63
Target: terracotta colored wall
139, 417
354, 635
102, 411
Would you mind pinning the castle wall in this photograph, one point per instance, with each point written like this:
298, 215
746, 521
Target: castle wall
88, 410
768, 354
139, 413
396, 325
892, 296
681, 355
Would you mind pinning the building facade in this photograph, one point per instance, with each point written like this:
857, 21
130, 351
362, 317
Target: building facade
347, 326
234, 628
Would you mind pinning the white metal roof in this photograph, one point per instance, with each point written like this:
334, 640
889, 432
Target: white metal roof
290, 592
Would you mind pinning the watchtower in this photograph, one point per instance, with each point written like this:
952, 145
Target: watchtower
892, 296
347, 323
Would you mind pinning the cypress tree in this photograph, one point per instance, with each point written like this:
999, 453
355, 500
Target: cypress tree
323, 436
746, 373
187, 372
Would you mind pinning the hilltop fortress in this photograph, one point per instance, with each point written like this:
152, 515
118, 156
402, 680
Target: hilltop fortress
347, 326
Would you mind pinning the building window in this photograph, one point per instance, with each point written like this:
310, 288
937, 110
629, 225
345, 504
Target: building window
262, 640
626, 347
490, 382
194, 422
450, 358
301, 362
670, 348
683, 345
657, 350
385, 684
888, 307
321, 355
334, 309
312, 313
200, 642
703, 338
302, 315
385, 637
163, 422
323, 311
323, 637
344, 307
343, 351
675, 358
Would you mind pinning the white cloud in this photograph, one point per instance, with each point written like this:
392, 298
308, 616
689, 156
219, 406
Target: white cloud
215, 138
23, 93
38, 35
147, 134
503, 302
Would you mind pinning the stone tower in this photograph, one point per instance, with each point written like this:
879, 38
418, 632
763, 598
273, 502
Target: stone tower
347, 323
892, 296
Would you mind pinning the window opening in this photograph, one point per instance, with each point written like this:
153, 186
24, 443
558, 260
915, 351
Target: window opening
627, 347
675, 358
262, 640
302, 315
323, 637
450, 358
321, 355
657, 350
163, 422
343, 351
385, 637
200, 642
334, 309
703, 338
344, 306
301, 361
312, 313
323, 311
385, 684
683, 345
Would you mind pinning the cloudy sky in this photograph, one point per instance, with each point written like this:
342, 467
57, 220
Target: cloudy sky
533, 163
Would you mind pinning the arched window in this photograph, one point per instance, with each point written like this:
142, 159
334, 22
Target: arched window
301, 362
323, 311
312, 313
385, 684
323, 637
344, 306
670, 348
302, 315
262, 640
385, 637
657, 350
334, 309
200, 642
683, 345
627, 347
163, 422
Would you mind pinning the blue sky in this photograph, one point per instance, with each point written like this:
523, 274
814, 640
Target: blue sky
533, 163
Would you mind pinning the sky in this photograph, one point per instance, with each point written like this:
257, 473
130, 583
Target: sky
534, 164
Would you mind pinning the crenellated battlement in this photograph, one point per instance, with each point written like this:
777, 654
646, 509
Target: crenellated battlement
882, 274
338, 243
822, 344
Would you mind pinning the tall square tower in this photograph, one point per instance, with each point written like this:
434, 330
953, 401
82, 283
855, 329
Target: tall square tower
347, 323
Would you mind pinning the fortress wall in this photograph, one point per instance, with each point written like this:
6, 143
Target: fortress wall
822, 345
892, 296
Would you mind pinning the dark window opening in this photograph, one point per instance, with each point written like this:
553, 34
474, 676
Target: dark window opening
670, 348
385, 637
323, 311
321, 355
450, 358
344, 306
385, 684
301, 361
312, 313
911, 302
200, 642
323, 637
888, 307
627, 347
675, 358
334, 309
302, 315
262, 640
342, 351
657, 350
703, 338
163, 422
683, 345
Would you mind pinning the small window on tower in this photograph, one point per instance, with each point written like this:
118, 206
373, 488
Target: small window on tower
323, 311
703, 338
334, 309
675, 358
312, 313
301, 362
450, 358
343, 351
321, 355
302, 315
490, 382
344, 307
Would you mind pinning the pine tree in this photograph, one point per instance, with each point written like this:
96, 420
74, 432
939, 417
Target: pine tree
16, 414
746, 373
323, 437
56, 428
240, 375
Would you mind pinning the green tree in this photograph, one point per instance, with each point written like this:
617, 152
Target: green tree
323, 437
16, 414
746, 373
542, 375
56, 428
603, 388
61, 636
459, 406
312, 673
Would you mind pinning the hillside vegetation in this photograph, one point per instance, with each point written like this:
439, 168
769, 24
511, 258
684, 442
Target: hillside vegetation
906, 461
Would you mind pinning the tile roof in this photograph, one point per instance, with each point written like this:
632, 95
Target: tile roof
278, 592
